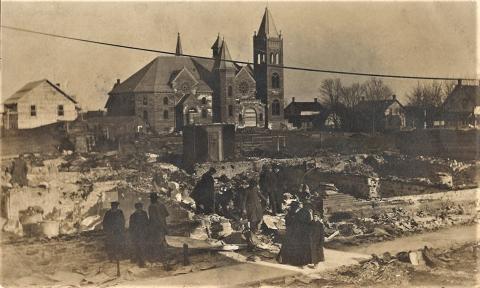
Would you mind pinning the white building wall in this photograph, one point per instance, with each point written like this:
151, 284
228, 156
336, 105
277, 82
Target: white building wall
46, 100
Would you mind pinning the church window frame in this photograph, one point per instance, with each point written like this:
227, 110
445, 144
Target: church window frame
275, 80
230, 91
165, 114
165, 100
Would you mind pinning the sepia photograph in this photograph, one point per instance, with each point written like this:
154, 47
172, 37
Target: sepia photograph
239, 144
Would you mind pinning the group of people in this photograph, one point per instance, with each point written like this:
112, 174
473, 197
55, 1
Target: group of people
303, 243
146, 231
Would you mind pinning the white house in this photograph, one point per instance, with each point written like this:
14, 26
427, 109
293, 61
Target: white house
37, 104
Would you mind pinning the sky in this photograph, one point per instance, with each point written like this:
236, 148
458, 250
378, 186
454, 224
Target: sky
413, 38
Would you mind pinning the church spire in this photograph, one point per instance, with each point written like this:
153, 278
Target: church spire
267, 27
224, 54
217, 46
179, 50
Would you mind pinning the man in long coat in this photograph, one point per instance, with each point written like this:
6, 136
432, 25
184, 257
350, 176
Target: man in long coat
252, 206
138, 233
204, 192
114, 227
157, 225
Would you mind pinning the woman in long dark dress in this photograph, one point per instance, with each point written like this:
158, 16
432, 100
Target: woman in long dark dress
292, 246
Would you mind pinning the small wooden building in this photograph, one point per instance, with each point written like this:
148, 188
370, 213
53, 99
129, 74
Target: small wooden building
36, 104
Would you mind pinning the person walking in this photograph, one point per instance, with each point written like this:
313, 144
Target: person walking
138, 233
252, 206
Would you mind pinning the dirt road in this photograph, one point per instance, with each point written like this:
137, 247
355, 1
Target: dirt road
438, 239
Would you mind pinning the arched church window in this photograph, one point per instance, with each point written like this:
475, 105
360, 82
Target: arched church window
204, 113
260, 117
165, 114
275, 107
272, 58
145, 115
258, 58
230, 110
277, 58
165, 100
204, 100
240, 118
275, 80
230, 91
264, 58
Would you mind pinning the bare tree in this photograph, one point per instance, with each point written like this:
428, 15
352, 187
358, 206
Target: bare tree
351, 95
429, 94
330, 91
376, 89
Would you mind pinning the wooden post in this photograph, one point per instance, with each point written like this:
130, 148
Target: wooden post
118, 267
186, 260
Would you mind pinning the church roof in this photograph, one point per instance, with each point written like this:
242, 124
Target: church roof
157, 75
267, 27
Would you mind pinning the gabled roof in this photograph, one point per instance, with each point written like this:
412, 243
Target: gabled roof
156, 76
462, 98
305, 106
30, 86
267, 27
377, 106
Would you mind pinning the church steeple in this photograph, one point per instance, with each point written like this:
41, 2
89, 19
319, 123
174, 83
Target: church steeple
267, 27
217, 45
178, 50
224, 54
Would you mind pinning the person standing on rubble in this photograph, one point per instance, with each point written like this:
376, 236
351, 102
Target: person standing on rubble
313, 227
138, 233
19, 171
292, 248
157, 225
114, 226
252, 207
204, 192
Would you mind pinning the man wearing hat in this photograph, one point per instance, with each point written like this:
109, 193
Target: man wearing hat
138, 233
157, 225
114, 226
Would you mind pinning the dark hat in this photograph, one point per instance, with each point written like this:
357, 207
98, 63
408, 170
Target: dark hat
153, 195
138, 205
114, 203
212, 170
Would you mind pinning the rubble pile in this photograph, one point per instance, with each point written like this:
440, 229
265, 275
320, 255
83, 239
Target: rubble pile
453, 266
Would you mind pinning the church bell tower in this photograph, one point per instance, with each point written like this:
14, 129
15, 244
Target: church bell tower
267, 59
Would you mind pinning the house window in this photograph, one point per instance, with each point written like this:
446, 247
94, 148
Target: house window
165, 101
204, 100
275, 107
33, 110
275, 80
230, 110
60, 111
145, 100
204, 113
165, 114
230, 91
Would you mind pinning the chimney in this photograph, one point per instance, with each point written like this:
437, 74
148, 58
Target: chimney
459, 82
315, 100
293, 99
394, 97
118, 81
58, 84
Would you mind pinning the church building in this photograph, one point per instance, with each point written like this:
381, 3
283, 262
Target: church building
171, 92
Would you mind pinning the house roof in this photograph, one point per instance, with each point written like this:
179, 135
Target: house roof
305, 106
267, 27
463, 98
377, 106
157, 75
30, 86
